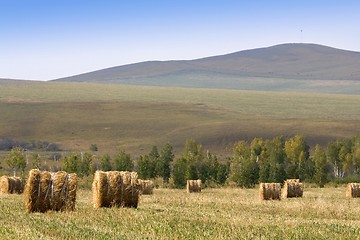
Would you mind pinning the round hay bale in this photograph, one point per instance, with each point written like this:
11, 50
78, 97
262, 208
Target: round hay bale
292, 188
46, 191
193, 186
353, 190
9, 185
270, 191
115, 189
146, 187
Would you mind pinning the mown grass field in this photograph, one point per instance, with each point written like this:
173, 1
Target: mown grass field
76, 115
174, 214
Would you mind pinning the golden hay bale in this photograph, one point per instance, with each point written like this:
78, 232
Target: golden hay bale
292, 188
193, 186
115, 189
270, 191
146, 187
46, 191
10, 185
353, 190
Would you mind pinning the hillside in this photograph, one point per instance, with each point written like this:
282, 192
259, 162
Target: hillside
295, 67
75, 115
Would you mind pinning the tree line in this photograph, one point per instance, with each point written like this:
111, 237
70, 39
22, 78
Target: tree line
261, 160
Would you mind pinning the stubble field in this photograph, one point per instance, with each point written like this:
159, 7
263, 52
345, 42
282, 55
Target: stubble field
174, 214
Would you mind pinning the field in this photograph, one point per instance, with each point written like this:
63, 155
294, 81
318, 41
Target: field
174, 214
76, 115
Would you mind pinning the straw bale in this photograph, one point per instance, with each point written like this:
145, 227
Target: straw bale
292, 188
193, 186
270, 191
353, 190
46, 191
146, 187
115, 189
9, 185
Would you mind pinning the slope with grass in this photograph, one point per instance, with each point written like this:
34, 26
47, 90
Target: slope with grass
76, 115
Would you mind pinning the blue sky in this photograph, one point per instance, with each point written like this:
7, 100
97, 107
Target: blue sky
56, 38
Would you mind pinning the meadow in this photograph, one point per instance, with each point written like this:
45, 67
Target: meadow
229, 213
76, 115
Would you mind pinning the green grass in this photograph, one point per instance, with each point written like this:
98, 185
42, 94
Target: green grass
174, 214
76, 115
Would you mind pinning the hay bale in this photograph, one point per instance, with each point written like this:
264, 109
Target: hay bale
115, 189
270, 191
193, 186
292, 188
146, 187
9, 185
46, 191
353, 190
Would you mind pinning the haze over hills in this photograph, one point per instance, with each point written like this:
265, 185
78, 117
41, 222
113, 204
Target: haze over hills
303, 67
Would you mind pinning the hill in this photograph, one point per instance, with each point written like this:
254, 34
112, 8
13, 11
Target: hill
75, 115
295, 67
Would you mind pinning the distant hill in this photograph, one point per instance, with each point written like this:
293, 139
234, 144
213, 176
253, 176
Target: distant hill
268, 68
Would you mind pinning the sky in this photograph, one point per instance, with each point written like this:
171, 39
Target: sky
49, 39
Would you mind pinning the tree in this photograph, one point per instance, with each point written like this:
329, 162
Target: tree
163, 164
321, 168
16, 159
71, 163
277, 159
297, 155
35, 158
122, 162
105, 162
85, 164
94, 147
355, 149
144, 167
179, 171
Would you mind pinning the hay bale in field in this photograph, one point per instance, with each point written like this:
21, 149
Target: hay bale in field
10, 185
292, 188
353, 190
146, 187
46, 191
115, 189
193, 186
270, 191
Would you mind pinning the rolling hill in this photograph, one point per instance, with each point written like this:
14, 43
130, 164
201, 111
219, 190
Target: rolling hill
294, 67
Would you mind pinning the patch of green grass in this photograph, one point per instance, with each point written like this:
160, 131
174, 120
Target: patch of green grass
212, 214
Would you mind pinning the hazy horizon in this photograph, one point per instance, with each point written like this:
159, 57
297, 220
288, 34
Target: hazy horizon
44, 40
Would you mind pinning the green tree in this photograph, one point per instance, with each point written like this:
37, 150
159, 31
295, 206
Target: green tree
144, 167
277, 159
105, 162
122, 161
321, 167
164, 162
16, 159
179, 171
85, 164
35, 158
71, 163
297, 155
355, 149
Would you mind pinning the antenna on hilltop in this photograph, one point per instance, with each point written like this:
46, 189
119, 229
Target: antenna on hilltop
301, 36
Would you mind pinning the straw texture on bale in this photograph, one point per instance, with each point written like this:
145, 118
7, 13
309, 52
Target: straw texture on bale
115, 189
193, 186
353, 190
46, 191
292, 188
9, 185
146, 187
270, 191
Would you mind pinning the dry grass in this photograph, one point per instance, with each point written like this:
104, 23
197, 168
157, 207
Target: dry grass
214, 214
